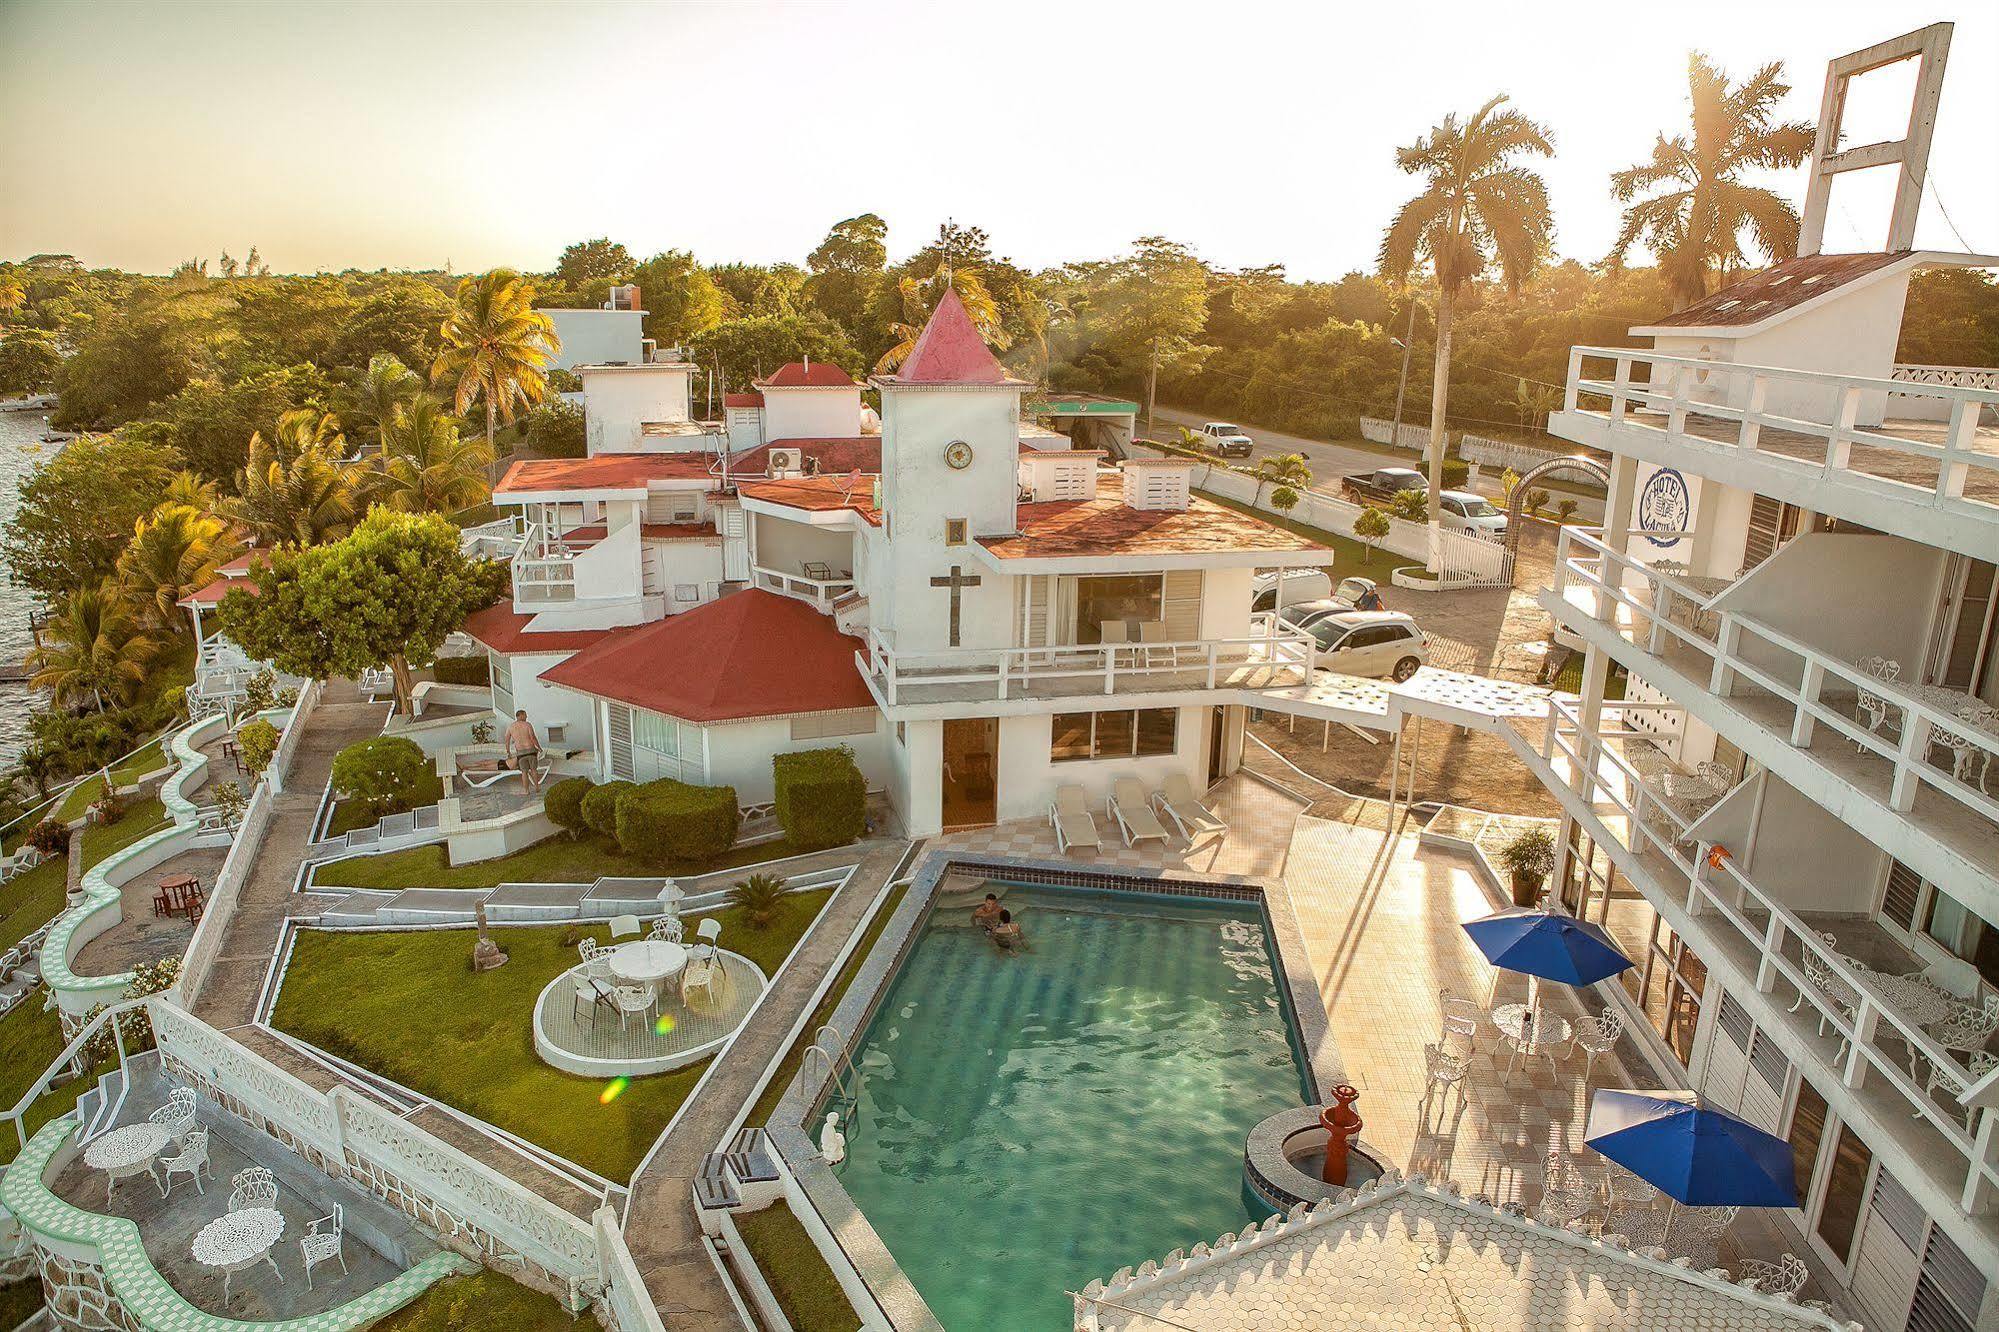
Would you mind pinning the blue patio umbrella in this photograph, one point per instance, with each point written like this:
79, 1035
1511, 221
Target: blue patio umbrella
1691, 1153
1547, 944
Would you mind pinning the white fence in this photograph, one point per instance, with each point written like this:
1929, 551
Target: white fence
1412, 435
206, 945
1504, 453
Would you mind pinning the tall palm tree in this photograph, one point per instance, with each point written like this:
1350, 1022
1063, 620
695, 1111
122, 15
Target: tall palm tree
370, 401
497, 348
303, 430
197, 492
1478, 208
1695, 223
426, 464
301, 498
92, 648
12, 294
172, 555
920, 297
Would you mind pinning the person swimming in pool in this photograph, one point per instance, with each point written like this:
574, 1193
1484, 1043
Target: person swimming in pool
987, 913
1007, 933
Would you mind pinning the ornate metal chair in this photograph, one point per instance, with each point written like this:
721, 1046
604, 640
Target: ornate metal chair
323, 1245
192, 1161
252, 1186
1872, 707
1786, 1276
177, 1115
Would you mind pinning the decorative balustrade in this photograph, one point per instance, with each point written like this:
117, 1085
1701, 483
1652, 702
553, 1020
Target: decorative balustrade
1983, 378
821, 592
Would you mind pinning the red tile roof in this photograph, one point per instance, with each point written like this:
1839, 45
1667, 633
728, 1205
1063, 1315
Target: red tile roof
800, 375
742, 399
1777, 289
650, 532
819, 494
605, 471
241, 564
212, 594
1106, 526
950, 350
504, 630
855, 453
750, 654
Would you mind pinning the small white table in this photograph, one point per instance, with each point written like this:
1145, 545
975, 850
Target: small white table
647, 962
240, 1239
1914, 998
1545, 1035
127, 1151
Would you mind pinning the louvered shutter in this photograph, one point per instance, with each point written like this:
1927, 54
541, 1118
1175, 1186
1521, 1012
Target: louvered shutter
1765, 516
621, 741
1898, 903
1884, 1262
1949, 1288
1034, 612
1181, 605
1763, 1089
1727, 1055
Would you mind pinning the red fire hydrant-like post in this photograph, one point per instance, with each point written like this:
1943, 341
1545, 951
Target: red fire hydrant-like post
1342, 1126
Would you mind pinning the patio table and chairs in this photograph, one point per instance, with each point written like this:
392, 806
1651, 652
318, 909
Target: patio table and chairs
1543, 945
179, 895
649, 964
1707, 1162
239, 1239
1530, 1031
177, 1115
127, 1151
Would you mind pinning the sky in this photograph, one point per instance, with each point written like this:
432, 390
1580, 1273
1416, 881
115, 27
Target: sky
411, 135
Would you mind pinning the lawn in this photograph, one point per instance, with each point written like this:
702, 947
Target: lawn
127, 770
30, 1040
31, 900
408, 1006
557, 859
808, 1292
482, 1302
1353, 554
138, 820
1569, 680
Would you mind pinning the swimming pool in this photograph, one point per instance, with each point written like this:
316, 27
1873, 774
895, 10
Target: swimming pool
1028, 1122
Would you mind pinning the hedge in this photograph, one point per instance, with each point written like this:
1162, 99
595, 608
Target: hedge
822, 798
563, 803
665, 822
462, 670
386, 775
600, 807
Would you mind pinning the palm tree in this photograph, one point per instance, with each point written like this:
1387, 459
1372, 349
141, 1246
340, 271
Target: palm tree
92, 648
426, 464
12, 294
302, 499
1290, 469
197, 492
497, 348
370, 401
1478, 208
304, 430
920, 297
172, 555
759, 898
1695, 225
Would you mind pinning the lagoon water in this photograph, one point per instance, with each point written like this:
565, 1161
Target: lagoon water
21, 452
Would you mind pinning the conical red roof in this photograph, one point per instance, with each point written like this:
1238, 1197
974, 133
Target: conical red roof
950, 350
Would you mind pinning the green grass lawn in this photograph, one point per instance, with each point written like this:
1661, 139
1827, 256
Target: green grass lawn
805, 1287
409, 1006
557, 859
32, 899
1569, 680
138, 820
30, 1040
482, 1302
1353, 555
123, 773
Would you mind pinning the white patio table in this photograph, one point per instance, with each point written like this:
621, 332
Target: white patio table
1913, 997
127, 1151
240, 1239
648, 962
1547, 1035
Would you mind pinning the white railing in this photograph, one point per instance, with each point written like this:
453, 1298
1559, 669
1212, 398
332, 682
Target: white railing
1818, 413
1716, 886
821, 592
1505, 453
498, 539
538, 581
1021, 672
1981, 377
1635, 598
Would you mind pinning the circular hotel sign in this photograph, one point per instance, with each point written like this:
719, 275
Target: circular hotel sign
1663, 507
958, 454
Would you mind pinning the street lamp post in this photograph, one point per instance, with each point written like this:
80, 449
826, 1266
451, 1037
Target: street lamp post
1406, 341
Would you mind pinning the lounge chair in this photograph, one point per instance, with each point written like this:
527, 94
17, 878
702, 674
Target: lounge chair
1177, 801
1135, 820
1069, 816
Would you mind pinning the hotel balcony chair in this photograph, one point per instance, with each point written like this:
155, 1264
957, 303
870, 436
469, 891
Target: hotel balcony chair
1445, 1071
192, 1161
1152, 633
1114, 635
1962, 747
1969, 1026
1952, 1082
1786, 1276
1822, 977
1872, 708
177, 1115
252, 1186
323, 1245
1462, 1020
1597, 1036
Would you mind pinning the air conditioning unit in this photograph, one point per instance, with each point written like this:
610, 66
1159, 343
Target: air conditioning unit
786, 462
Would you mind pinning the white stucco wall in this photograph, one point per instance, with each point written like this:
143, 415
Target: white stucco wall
916, 775
597, 337
1890, 586
546, 704
1810, 859
785, 545
676, 564
811, 413
740, 753
616, 402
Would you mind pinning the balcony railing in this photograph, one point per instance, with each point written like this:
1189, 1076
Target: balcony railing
1875, 1039
821, 592
1813, 429
1267, 658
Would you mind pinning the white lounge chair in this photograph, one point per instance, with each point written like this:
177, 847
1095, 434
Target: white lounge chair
1069, 815
1135, 820
1177, 801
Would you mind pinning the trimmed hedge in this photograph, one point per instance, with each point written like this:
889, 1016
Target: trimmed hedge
563, 803
386, 775
462, 670
1456, 472
822, 798
666, 821
600, 807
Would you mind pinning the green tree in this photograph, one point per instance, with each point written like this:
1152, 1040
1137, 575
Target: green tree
1371, 526
847, 266
29, 363
92, 649
749, 348
753, 291
497, 348
387, 594
79, 508
1478, 208
600, 260
399, 318
172, 555
150, 351
426, 464
210, 422
1952, 318
1285, 470
375, 396
295, 489
1411, 506
1155, 305
1700, 209
681, 300
13, 293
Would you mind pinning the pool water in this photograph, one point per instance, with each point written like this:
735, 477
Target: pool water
1029, 1121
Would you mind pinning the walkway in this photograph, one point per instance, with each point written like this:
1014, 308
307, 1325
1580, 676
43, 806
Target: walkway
660, 1224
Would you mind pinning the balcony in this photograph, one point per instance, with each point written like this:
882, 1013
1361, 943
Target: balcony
1906, 764
585, 564
1930, 473
1844, 1021
1267, 659
821, 591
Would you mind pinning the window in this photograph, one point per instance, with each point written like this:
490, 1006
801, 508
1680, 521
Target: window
825, 725
1145, 733
687, 591
503, 685
1963, 934
1129, 597
954, 531
1845, 1191
672, 747
902, 734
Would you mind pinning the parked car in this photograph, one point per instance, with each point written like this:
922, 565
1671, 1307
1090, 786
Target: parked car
1230, 441
1370, 643
1469, 512
1288, 587
1304, 614
1381, 485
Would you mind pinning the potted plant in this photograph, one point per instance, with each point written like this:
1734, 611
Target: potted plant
1530, 858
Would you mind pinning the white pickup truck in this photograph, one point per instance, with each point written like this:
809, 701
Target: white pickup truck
1230, 441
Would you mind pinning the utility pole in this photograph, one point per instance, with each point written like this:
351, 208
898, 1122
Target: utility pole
1402, 384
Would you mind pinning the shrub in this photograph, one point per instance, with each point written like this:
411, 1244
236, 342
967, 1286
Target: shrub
665, 822
1284, 499
600, 807
758, 898
1456, 472
50, 838
462, 670
822, 798
1565, 511
257, 741
1536, 501
1371, 527
229, 798
563, 803
555, 430
261, 692
386, 775
1410, 505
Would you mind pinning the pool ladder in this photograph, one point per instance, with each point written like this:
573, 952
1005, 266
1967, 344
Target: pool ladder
834, 1053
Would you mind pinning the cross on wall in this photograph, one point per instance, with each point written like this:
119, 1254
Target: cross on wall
957, 582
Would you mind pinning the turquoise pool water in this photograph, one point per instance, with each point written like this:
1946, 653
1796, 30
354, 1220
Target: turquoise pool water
1027, 1122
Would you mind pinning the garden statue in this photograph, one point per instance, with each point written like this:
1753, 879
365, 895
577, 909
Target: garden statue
486, 954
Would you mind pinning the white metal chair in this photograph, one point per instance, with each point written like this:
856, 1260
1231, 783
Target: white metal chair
705, 935
252, 1186
318, 1246
587, 948
625, 927
1152, 633
192, 1161
1786, 1276
1565, 1195
630, 999
177, 1115
585, 996
1962, 748
1462, 1018
667, 929
1626, 1192
1177, 801
1069, 815
1953, 1080
1969, 1026
1597, 1036
1134, 818
700, 977
1838, 995
1872, 707
1444, 1071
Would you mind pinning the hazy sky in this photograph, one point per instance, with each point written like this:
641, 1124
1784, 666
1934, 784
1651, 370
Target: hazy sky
404, 134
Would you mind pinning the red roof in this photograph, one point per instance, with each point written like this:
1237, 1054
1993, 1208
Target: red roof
742, 399
818, 494
861, 453
1106, 525
750, 654
212, 594
605, 471
649, 532
504, 630
241, 564
950, 350
1776, 289
799, 374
